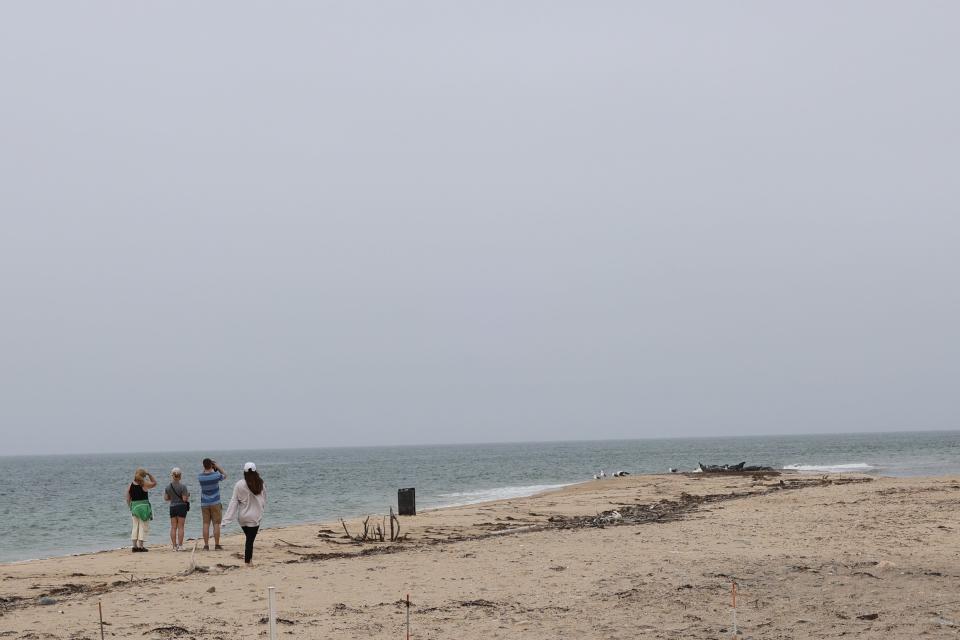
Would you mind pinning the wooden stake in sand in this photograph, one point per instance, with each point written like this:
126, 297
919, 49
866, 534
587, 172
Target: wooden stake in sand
193, 558
100, 607
408, 616
733, 606
272, 599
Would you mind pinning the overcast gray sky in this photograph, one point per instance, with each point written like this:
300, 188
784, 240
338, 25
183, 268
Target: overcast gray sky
243, 225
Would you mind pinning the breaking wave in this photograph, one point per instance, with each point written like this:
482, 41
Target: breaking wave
853, 467
498, 493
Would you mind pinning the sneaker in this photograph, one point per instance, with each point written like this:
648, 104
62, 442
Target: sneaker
218, 548
144, 549
206, 547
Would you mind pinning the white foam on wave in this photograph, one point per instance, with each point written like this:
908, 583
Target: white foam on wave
459, 498
853, 467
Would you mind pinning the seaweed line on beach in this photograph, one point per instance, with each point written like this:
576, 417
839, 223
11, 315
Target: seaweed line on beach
665, 510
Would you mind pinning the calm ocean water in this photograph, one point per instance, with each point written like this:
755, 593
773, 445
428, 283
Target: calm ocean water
58, 505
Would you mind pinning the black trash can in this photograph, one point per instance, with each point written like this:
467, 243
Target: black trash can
407, 502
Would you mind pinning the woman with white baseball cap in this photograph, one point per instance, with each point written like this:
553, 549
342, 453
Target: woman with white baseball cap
246, 506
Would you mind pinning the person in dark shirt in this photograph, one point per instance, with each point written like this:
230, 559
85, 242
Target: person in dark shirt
139, 503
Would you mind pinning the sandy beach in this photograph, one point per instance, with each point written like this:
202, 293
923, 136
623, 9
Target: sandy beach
812, 558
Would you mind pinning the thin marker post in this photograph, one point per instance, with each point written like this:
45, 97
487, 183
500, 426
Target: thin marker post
272, 599
733, 605
408, 616
100, 607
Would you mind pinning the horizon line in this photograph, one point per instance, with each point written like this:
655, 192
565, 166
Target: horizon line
493, 443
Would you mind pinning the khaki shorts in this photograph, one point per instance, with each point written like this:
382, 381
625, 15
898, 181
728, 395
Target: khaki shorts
213, 512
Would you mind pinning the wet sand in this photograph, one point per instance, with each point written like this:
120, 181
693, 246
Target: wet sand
812, 558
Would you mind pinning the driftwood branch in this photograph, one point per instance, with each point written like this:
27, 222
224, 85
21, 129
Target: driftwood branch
394, 535
291, 544
376, 532
192, 565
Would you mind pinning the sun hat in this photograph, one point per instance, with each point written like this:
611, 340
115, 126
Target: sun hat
249, 467
176, 471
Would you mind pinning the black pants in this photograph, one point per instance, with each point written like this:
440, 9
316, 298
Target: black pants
251, 533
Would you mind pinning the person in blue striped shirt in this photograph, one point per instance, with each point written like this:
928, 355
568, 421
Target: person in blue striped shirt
210, 506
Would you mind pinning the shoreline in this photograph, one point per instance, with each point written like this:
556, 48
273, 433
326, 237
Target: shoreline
156, 530
320, 523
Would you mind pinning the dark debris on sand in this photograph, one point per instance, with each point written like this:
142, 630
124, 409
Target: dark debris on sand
669, 510
170, 631
663, 511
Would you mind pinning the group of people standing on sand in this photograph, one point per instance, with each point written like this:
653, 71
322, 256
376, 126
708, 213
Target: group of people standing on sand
246, 505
